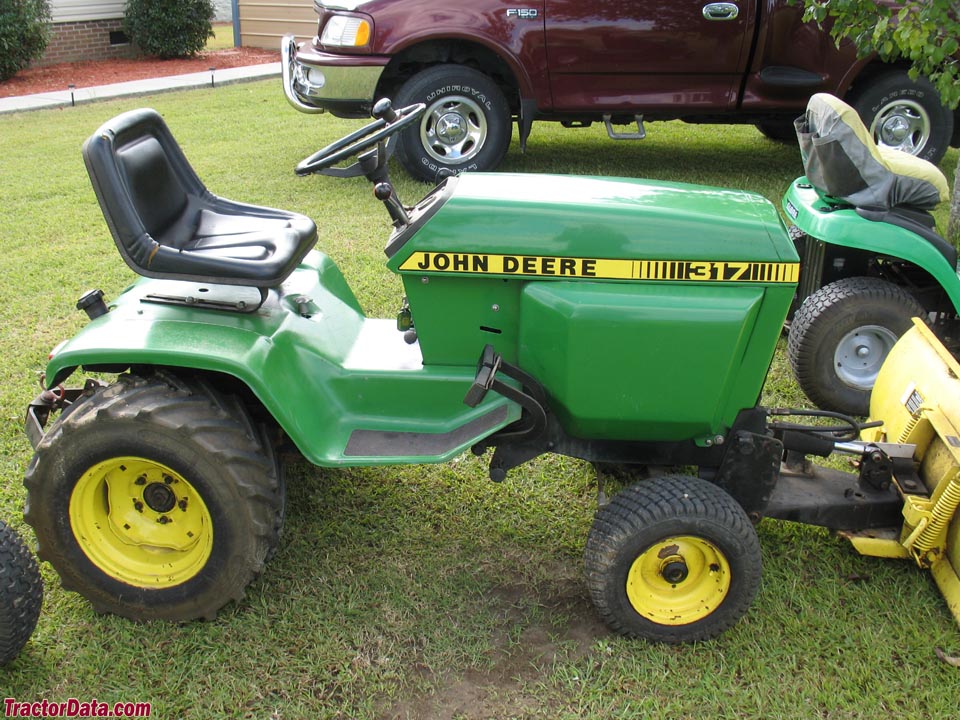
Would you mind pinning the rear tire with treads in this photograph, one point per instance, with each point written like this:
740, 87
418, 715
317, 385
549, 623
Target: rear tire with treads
156, 498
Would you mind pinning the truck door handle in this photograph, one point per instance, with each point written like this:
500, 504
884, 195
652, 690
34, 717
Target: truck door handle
721, 11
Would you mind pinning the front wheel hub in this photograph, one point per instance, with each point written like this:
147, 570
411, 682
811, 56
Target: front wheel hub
675, 571
860, 353
679, 580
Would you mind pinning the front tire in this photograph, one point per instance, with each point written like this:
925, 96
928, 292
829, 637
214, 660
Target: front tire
156, 498
840, 337
466, 125
906, 115
673, 559
21, 594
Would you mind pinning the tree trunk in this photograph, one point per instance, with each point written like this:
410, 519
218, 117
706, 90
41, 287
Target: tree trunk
953, 228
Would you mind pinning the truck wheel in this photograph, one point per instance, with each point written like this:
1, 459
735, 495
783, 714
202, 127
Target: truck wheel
21, 594
840, 337
156, 498
466, 125
779, 130
906, 115
672, 560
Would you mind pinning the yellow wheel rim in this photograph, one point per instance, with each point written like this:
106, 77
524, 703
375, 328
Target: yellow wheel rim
141, 523
678, 580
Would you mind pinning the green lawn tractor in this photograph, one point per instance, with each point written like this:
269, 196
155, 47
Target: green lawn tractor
619, 321
870, 254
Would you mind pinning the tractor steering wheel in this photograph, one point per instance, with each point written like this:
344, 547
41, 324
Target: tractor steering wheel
388, 122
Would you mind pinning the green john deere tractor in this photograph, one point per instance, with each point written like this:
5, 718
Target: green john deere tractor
614, 320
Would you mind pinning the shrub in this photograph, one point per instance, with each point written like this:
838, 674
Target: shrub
24, 31
169, 28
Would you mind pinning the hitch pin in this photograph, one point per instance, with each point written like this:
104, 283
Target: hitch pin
51, 397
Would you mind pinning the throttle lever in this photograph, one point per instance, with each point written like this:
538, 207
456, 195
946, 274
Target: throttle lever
383, 191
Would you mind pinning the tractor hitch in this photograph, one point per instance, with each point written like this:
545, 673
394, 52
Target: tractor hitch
51, 400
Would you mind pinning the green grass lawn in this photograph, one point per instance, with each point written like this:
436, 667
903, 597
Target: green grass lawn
222, 37
429, 591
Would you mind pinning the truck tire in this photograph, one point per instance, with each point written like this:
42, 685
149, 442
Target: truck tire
673, 559
466, 125
840, 337
905, 114
778, 130
21, 594
156, 498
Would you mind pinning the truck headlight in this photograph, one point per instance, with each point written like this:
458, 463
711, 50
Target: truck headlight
345, 31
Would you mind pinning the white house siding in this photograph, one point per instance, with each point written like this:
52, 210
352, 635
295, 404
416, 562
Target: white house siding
80, 10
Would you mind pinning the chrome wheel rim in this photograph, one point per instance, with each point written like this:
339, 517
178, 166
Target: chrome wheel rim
453, 130
902, 125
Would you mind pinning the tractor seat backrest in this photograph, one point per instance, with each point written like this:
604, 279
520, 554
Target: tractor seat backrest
841, 159
166, 224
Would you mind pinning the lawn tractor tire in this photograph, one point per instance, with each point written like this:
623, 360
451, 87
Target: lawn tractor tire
21, 594
673, 559
466, 125
840, 337
156, 498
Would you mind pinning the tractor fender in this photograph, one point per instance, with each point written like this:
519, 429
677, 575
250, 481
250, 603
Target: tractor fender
340, 385
841, 225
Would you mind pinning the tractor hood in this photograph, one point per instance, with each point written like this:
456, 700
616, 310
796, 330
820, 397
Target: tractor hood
512, 224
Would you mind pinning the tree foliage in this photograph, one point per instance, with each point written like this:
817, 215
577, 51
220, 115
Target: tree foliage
24, 31
926, 33
169, 28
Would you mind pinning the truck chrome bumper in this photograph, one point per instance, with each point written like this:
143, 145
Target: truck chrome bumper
312, 88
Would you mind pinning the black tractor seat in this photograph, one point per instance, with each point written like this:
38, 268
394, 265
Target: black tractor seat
166, 223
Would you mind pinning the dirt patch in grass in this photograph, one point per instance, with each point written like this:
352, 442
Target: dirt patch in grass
542, 625
52, 78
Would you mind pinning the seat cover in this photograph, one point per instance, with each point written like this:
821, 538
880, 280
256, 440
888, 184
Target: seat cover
841, 159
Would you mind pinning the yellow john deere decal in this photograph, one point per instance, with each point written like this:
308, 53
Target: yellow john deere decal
603, 268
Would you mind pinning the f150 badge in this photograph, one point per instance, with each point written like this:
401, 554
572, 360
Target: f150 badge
523, 13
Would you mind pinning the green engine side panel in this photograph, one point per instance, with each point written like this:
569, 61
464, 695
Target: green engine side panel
818, 218
659, 363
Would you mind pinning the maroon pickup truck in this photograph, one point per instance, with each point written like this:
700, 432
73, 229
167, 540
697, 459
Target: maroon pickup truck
479, 65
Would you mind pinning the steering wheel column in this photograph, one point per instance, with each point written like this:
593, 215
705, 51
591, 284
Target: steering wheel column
371, 146
371, 137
